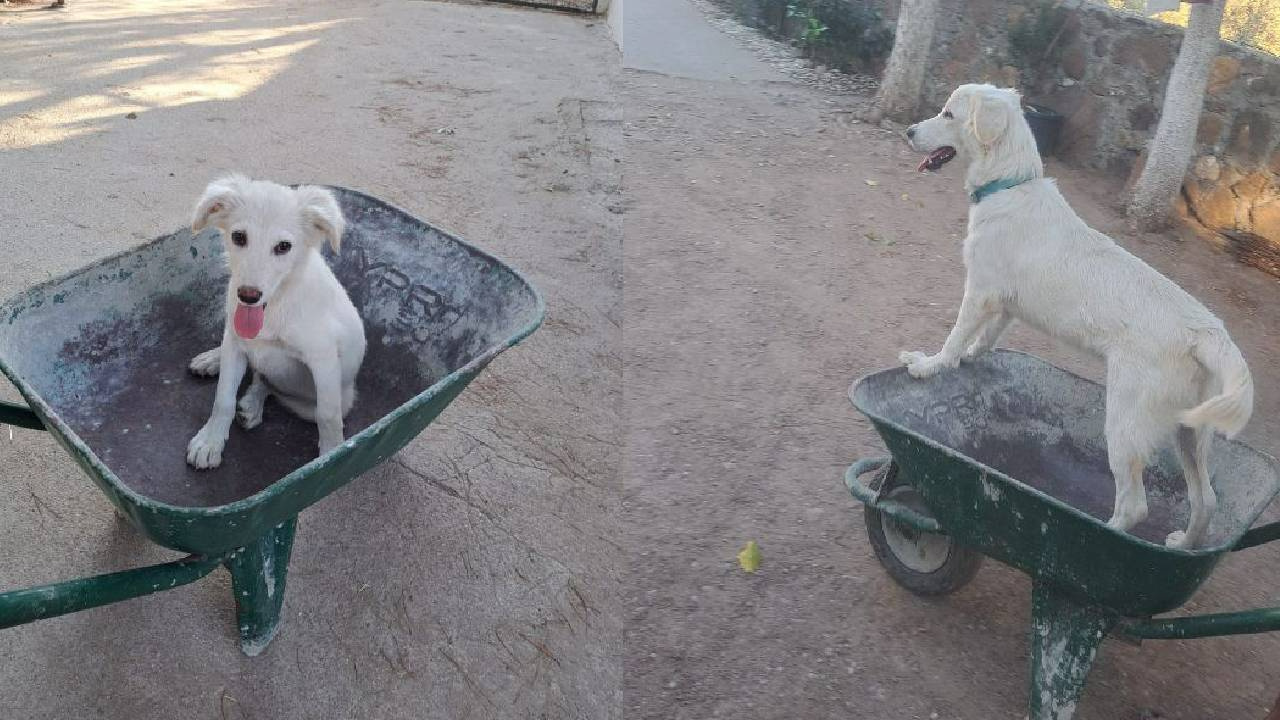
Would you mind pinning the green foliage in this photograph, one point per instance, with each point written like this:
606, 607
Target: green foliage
811, 28
842, 32
848, 34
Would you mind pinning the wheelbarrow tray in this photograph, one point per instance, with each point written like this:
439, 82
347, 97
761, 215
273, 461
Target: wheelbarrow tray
1008, 453
100, 356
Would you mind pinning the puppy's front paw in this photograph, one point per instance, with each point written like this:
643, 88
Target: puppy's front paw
910, 357
249, 412
974, 351
1178, 539
920, 365
206, 363
205, 450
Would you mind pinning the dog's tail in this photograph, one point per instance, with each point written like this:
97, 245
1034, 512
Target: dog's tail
1227, 413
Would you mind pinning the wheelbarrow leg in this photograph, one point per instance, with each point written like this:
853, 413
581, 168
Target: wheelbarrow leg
1065, 636
258, 573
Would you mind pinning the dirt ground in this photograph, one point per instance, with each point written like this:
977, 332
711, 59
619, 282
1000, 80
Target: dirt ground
763, 274
476, 574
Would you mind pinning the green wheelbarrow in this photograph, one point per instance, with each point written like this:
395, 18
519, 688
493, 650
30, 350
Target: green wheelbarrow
1005, 457
100, 357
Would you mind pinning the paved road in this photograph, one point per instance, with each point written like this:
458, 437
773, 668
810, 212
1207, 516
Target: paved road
672, 37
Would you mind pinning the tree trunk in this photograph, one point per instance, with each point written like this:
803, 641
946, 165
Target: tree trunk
903, 82
1169, 153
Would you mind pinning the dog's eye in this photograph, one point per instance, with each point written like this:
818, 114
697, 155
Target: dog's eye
947, 114
282, 247
239, 238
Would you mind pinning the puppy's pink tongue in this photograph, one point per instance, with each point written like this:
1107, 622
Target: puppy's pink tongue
248, 320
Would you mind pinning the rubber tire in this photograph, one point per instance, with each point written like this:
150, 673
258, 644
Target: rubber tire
956, 571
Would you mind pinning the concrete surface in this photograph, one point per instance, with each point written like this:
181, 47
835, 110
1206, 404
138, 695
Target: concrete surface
764, 274
475, 574
613, 16
673, 38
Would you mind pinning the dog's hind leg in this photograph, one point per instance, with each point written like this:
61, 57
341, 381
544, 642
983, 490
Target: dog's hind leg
251, 403
1128, 445
1131, 497
206, 363
1193, 454
327, 371
304, 408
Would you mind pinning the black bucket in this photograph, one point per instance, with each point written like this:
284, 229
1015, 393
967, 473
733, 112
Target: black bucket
1046, 125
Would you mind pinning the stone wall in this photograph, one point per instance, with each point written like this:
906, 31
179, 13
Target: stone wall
1106, 71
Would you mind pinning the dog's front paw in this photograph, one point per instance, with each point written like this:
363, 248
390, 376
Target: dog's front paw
1178, 539
206, 363
205, 450
920, 365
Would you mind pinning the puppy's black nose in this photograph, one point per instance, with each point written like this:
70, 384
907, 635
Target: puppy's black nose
248, 295
911, 132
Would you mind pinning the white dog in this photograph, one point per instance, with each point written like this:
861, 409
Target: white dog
287, 317
1173, 373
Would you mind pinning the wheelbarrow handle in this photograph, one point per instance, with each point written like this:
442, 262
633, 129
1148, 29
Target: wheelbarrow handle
871, 498
1244, 622
857, 470
20, 415
46, 601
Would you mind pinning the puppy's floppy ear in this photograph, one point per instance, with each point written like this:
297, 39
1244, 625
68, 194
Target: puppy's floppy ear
320, 213
219, 198
989, 115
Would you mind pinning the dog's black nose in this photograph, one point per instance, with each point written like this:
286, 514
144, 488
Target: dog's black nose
911, 132
248, 295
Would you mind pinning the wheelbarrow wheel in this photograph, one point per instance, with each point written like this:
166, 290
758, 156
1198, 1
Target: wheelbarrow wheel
925, 563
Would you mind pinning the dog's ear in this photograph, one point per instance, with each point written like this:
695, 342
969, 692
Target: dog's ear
321, 213
989, 116
219, 198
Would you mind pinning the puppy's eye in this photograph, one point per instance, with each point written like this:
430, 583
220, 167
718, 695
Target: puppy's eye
947, 114
239, 238
282, 247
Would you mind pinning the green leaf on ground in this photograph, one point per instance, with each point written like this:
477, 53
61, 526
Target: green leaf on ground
749, 557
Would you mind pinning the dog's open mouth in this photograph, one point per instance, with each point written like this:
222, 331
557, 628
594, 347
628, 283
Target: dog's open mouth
937, 158
248, 320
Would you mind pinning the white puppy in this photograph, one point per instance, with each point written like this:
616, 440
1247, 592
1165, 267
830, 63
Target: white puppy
1173, 373
287, 317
